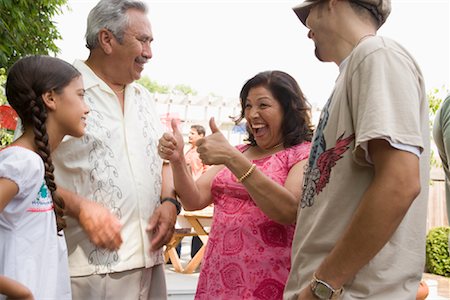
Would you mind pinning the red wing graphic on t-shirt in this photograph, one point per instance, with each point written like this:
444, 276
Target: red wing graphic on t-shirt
322, 160
327, 160
317, 174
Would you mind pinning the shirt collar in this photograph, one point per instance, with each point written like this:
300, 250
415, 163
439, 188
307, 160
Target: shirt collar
90, 79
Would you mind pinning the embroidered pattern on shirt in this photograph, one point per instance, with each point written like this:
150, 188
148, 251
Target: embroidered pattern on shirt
43, 201
151, 135
103, 176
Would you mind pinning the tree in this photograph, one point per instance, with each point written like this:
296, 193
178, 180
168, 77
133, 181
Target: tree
26, 28
184, 90
153, 86
2, 86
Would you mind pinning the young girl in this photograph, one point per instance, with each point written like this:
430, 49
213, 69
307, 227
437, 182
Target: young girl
47, 94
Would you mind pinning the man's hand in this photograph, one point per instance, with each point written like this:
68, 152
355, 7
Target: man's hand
162, 225
171, 144
101, 226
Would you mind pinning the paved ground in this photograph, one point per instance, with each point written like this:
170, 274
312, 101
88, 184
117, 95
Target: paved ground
182, 286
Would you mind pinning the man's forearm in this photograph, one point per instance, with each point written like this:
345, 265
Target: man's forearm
167, 188
381, 210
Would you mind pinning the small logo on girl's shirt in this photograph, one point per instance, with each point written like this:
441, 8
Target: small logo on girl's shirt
43, 201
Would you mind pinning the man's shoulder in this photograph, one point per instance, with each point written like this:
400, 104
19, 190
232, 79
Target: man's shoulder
445, 106
378, 45
381, 50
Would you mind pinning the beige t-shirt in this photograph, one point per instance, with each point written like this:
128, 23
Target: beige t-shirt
379, 94
116, 164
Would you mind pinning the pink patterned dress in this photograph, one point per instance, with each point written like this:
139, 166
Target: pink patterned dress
248, 256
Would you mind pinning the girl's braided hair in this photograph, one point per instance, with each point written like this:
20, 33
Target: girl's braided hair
28, 79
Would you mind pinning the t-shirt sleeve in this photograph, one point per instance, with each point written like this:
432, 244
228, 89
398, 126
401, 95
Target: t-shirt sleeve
21, 167
298, 153
441, 131
386, 100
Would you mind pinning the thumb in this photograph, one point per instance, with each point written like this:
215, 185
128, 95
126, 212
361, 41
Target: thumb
213, 126
174, 124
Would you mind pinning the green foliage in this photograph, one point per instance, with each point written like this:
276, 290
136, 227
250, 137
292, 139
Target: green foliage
437, 252
26, 28
153, 86
2, 86
6, 136
184, 90
435, 100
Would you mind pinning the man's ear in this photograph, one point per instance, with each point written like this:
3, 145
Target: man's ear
49, 100
105, 38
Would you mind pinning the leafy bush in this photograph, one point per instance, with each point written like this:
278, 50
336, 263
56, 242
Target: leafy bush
6, 136
437, 252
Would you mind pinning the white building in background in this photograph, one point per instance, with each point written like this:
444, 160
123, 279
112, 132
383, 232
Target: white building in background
192, 110
198, 110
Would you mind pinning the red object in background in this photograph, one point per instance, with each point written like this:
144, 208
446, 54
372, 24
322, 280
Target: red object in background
8, 117
166, 120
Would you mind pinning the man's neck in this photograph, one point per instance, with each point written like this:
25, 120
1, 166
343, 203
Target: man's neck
101, 70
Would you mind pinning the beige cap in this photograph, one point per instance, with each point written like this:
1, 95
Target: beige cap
379, 8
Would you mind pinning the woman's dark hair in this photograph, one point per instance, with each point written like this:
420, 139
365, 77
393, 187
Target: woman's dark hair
296, 127
28, 79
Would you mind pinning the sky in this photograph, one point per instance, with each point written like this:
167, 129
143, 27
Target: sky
215, 46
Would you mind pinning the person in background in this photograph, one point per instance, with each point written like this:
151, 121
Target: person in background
441, 136
361, 227
255, 189
193, 160
197, 168
119, 197
47, 94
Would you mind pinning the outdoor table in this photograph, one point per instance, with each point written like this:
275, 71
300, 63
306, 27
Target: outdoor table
189, 223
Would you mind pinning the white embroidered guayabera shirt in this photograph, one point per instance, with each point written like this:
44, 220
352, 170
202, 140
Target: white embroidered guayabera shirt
115, 164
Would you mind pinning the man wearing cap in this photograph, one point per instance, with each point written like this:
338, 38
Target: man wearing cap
361, 226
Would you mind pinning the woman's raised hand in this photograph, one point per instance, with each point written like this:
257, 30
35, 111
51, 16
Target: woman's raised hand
215, 149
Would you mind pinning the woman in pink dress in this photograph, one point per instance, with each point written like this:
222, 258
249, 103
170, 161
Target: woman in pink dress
255, 189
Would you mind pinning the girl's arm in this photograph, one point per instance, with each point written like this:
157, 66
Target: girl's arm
14, 290
8, 189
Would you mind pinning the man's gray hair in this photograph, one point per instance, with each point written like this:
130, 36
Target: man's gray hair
112, 15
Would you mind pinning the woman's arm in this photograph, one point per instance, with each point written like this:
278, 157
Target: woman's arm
278, 202
193, 195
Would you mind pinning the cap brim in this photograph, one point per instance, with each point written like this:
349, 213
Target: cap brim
302, 10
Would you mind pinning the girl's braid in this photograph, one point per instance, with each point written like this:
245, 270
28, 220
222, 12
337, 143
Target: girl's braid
39, 115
